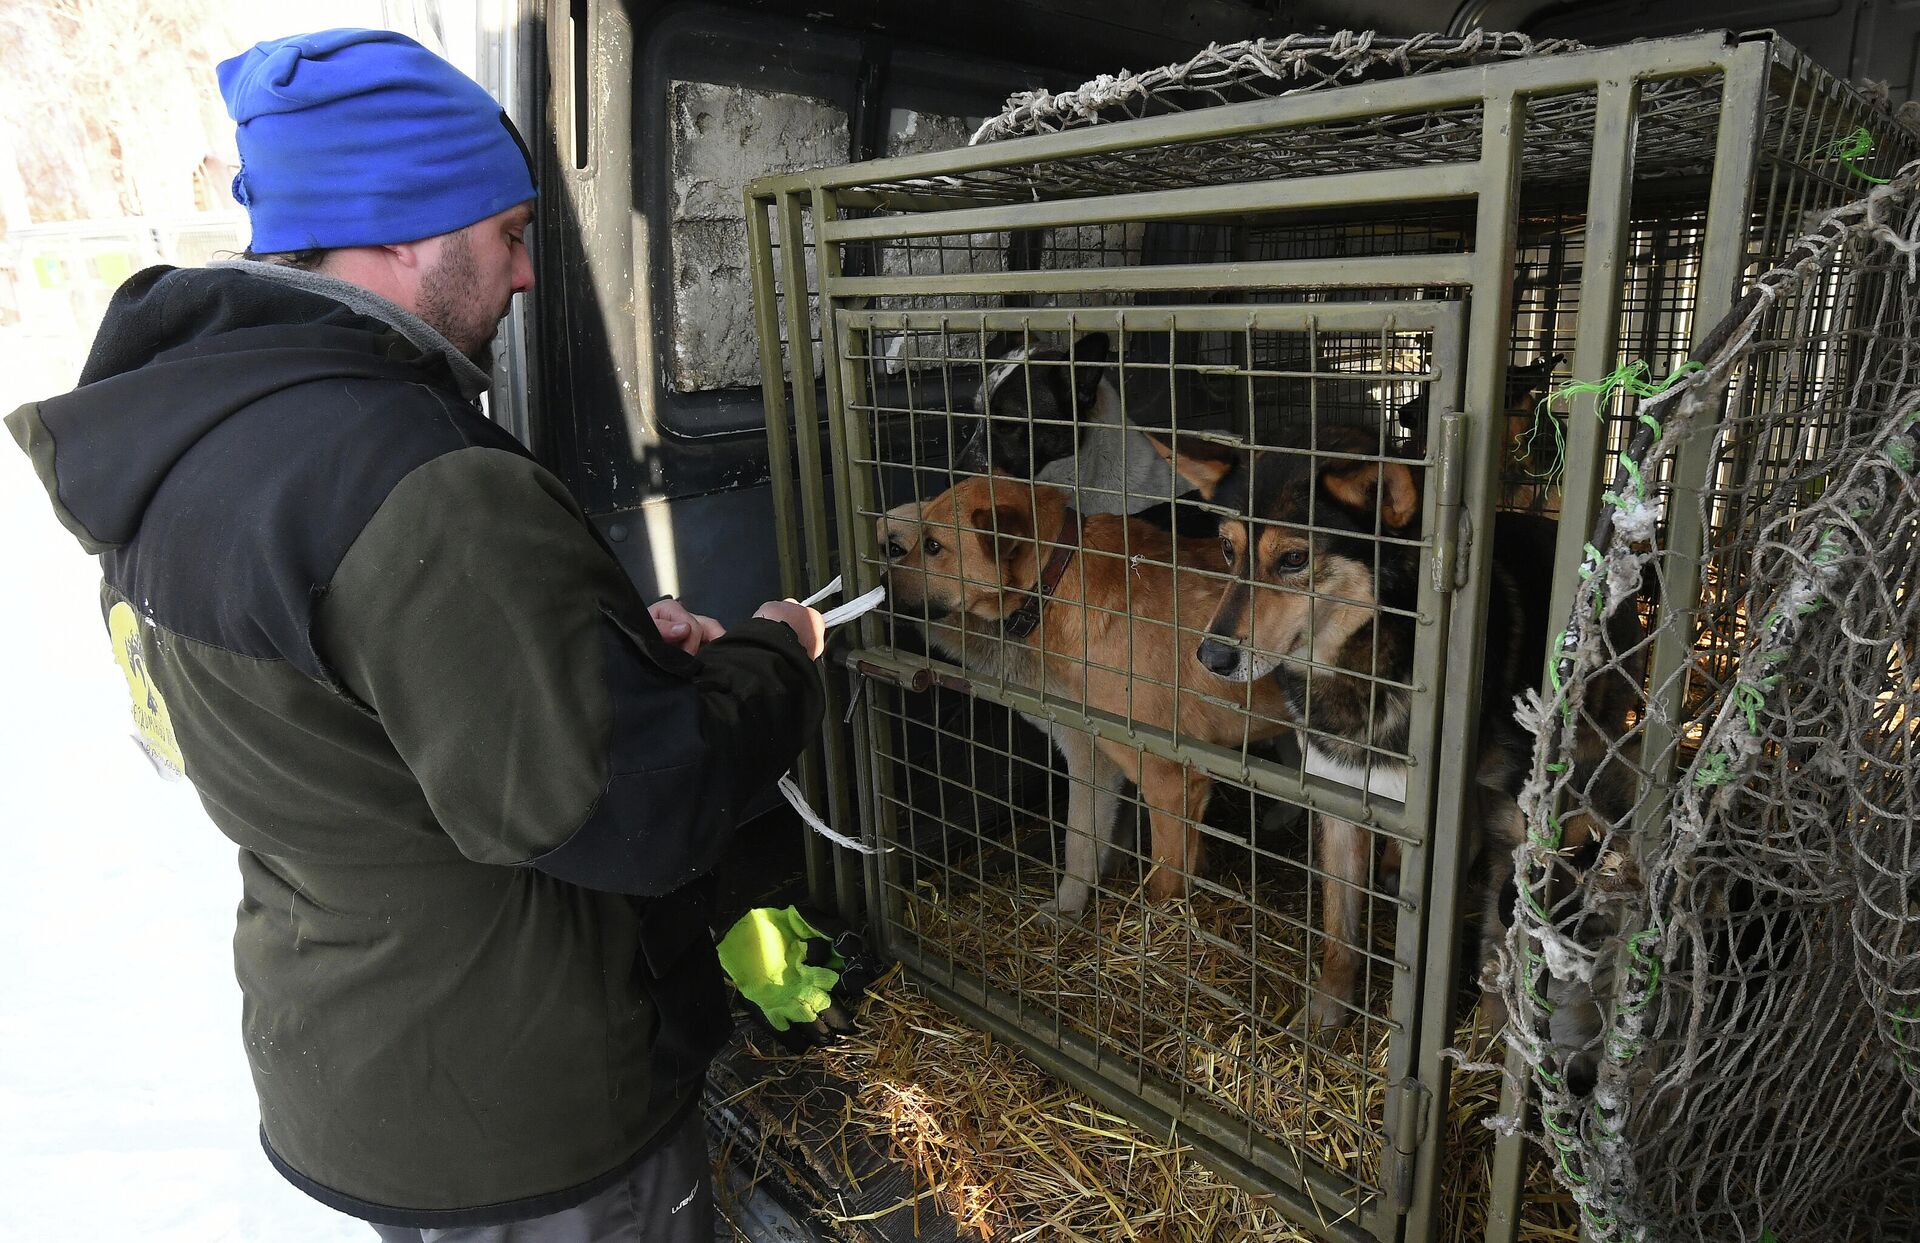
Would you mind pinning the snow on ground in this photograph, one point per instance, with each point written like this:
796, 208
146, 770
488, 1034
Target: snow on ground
126, 1111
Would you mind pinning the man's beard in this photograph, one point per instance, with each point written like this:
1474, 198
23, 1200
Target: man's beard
450, 302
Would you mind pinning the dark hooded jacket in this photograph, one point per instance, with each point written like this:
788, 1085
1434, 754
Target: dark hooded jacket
472, 787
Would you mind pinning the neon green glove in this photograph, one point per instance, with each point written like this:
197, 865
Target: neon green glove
766, 953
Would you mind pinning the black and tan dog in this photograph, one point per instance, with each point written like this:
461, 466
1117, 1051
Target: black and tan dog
1011, 583
1325, 550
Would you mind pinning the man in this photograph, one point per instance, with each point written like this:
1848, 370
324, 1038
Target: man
474, 788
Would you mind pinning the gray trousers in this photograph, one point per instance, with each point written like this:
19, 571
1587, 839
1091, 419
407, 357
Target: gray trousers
667, 1198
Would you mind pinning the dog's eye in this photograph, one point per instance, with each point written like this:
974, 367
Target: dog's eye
1293, 560
933, 546
895, 549
1226, 551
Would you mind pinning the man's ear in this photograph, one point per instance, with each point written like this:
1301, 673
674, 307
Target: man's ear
1363, 486
1201, 462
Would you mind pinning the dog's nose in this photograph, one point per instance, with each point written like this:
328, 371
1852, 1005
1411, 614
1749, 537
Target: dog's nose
1218, 657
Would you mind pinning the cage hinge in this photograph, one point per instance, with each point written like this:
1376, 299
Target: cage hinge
1451, 538
1409, 1110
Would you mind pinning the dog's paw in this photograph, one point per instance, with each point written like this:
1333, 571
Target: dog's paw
1070, 901
1325, 1014
1165, 884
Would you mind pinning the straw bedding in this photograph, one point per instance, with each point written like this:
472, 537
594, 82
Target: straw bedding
1012, 1153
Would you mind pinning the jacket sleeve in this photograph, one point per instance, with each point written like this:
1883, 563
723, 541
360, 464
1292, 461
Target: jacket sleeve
515, 669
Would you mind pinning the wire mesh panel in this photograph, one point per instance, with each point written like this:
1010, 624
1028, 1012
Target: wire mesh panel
1219, 467
1099, 812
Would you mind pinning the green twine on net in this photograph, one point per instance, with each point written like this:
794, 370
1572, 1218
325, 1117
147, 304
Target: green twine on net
1750, 698
1853, 148
1904, 1020
1561, 649
1643, 964
1589, 570
1566, 1168
1630, 379
1717, 771
1533, 968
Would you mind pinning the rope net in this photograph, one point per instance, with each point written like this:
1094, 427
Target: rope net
1722, 854
1256, 69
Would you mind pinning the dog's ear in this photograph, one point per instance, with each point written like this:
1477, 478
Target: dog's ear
1001, 344
1535, 377
1090, 354
1004, 520
1363, 486
1203, 463
1010, 523
1093, 349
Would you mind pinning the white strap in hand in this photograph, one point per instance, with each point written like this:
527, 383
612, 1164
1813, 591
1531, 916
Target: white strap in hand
851, 609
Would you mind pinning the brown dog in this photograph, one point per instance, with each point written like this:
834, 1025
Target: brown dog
1104, 599
1325, 548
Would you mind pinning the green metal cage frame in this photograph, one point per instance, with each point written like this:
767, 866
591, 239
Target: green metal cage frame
794, 218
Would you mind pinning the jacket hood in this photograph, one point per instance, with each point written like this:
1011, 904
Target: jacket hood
179, 351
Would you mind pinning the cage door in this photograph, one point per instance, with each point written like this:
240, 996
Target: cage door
1148, 719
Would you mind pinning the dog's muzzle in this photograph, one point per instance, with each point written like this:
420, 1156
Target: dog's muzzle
913, 609
1234, 662
972, 457
1222, 659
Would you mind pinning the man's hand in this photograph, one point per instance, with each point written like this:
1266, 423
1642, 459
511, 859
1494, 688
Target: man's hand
686, 631
807, 624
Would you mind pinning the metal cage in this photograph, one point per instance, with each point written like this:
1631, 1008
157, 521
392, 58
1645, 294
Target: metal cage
1354, 282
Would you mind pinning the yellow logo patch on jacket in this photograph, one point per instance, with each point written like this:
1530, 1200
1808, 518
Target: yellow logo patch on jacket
149, 708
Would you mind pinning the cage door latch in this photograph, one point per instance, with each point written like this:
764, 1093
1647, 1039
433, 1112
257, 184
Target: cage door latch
1409, 1110
1450, 534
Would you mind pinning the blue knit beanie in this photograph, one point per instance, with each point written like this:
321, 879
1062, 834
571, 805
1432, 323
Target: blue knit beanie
364, 138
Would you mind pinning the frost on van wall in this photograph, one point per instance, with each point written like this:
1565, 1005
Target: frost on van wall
910, 132
722, 138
